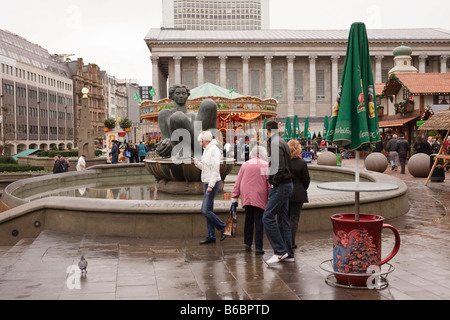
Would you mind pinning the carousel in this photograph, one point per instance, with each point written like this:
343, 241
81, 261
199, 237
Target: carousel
234, 111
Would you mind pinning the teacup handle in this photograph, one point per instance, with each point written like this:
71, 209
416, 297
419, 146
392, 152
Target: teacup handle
396, 246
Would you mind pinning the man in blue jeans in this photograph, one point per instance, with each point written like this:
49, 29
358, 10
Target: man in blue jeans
278, 229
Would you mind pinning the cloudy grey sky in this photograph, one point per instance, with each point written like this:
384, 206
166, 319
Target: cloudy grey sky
111, 33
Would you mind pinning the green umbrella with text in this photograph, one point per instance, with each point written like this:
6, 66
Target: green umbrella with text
296, 133
307, 131
326, 123
287, 129
354, 121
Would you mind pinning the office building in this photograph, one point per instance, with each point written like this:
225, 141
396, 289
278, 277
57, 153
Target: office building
36, 98
216, 14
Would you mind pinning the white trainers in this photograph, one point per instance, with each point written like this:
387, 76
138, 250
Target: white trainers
275, 258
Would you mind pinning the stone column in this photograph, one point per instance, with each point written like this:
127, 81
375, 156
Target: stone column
245, 76
155, 77
177, 60
312, 86
200, 71
334, 78
422, 62
378, 70
268, 85
444, 59
223, 71
290, 85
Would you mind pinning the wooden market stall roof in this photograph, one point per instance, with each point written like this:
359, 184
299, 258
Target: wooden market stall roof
417, 83
439, 121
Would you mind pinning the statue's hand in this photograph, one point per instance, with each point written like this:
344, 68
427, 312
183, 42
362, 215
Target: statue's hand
164, 148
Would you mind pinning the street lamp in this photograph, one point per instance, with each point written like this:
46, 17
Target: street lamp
85, 92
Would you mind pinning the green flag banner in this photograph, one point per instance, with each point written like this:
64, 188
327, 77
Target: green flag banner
152, 92
137, 97
354, 121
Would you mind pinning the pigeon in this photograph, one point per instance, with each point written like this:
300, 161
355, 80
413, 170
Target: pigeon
83, 264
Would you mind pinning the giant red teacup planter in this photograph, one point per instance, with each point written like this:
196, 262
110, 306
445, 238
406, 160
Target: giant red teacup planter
357, 247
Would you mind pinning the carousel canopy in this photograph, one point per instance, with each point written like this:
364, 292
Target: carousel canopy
229, 104
211, 90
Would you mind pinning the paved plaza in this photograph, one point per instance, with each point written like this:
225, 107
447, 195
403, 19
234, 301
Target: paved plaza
130, 268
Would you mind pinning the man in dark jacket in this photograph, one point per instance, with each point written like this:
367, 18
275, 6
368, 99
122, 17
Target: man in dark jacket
278, 229
402, 149
115, 152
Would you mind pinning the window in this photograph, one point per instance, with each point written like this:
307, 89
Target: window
32, 94
211, 76
189, 78
384, 75
255, 83
21, 110
298, 79
320, 84
8, 89
232, 79
277, 85
32, 112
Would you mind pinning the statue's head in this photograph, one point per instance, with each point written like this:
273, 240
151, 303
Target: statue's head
173, 88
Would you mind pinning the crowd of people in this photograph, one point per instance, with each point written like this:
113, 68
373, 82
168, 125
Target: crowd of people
271, 193
398, 150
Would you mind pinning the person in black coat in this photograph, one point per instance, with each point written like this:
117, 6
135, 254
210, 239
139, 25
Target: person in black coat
422, 146
402, 149
115, 152
301, 180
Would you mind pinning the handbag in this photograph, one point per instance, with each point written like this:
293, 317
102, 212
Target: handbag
127, 154
230, 227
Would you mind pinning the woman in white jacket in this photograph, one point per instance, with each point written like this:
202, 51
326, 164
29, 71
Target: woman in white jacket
210, 167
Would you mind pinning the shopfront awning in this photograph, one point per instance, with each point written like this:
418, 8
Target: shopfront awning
396, 122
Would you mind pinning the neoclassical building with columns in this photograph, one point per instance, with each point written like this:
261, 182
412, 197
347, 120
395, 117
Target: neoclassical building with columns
300, 68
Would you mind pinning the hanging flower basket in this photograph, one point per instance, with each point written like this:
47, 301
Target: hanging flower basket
110, 123
125, 124
122, 134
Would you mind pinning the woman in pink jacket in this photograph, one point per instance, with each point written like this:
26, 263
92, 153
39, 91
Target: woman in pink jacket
253, 188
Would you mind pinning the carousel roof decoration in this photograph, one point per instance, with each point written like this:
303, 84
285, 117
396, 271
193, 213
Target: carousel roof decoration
229, 104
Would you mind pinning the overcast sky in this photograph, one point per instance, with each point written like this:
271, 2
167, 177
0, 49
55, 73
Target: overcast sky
110, 33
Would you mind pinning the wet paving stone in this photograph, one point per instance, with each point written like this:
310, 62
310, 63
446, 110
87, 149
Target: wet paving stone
180, 269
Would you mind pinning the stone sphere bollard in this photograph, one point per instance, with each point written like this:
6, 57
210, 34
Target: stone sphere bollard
376, 161
327, 158
419, 165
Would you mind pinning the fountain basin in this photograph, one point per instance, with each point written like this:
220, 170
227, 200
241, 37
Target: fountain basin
167, 218
182, 177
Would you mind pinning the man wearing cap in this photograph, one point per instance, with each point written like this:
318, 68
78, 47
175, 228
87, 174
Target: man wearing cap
402, 149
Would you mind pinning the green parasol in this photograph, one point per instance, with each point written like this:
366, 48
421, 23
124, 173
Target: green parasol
296, 133
326, 123
307, 131
354, 121
287, 129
